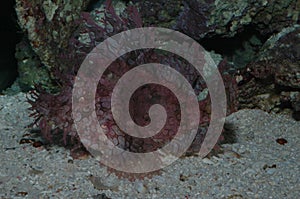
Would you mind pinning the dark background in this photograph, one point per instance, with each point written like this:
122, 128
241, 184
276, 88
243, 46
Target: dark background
8, 37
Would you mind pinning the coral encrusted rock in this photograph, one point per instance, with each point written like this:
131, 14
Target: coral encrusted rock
272, 81
228, 17
49, 25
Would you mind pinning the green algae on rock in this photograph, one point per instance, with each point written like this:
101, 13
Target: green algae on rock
31, 70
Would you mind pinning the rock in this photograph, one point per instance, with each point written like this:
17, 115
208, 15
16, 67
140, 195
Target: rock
48, 25
272, 81
31, 70
203, 18
159, 13
100, 184
101, 196
208, 161
140, 187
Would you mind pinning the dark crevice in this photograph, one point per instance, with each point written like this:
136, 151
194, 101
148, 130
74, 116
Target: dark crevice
9, 36
240, 49
94, 4
97, 3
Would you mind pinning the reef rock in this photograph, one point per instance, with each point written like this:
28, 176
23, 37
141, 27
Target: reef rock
48, 25
206, 18
159, 13
272, 81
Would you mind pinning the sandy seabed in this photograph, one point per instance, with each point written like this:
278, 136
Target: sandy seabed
255, 166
